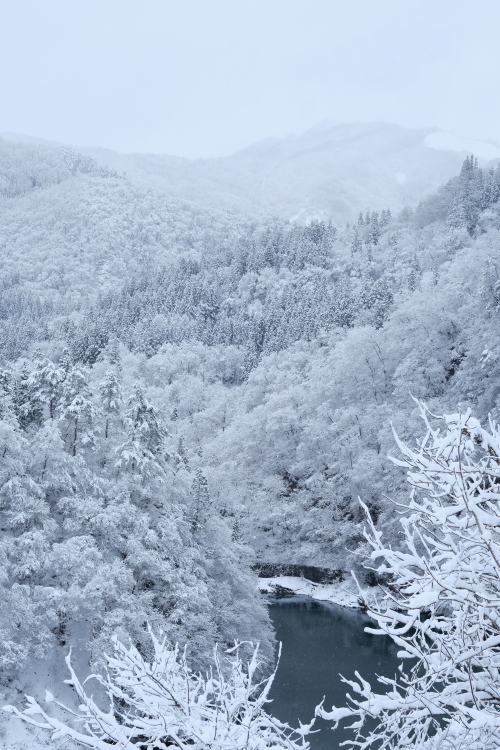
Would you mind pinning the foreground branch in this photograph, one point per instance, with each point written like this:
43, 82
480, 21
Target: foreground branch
165, 704
443, 609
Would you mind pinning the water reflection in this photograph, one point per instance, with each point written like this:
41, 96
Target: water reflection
319, 641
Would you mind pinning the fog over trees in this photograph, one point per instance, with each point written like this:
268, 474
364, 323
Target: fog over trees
188, 390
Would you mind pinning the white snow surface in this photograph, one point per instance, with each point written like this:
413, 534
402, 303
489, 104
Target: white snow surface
40, 675
16, 735
345, 594
424, 599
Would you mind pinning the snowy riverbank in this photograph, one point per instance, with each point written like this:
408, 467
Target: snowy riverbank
343, 593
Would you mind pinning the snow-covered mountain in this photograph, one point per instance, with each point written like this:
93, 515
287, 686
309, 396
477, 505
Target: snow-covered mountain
185, 390
331, 171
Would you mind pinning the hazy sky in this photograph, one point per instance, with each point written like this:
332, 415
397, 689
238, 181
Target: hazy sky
207, 77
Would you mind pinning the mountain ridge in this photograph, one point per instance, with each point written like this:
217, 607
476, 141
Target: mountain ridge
330, 172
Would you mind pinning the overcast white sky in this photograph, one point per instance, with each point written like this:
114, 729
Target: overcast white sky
207, 77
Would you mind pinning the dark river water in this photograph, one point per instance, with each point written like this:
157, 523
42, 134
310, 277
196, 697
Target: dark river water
320, 640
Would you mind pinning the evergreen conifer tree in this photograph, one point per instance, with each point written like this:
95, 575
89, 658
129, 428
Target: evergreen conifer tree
77, 411
144, 451
111, 400
200, 501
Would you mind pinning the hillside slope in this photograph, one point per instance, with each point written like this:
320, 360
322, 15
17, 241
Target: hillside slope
330, 172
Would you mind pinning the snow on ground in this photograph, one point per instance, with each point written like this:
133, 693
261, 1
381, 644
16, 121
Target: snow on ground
41, 674
16, 735
343, 593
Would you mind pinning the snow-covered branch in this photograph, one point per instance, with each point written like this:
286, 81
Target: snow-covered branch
165, 703
443, 607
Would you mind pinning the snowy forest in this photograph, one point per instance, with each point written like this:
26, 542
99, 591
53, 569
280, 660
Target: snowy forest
189, 393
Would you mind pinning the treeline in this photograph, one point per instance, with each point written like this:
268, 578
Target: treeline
263, 294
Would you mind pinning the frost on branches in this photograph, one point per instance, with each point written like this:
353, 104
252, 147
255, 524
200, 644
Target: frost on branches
442, 605
165, 704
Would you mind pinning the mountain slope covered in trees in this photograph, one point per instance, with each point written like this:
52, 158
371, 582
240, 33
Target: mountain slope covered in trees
329, 172
187, 391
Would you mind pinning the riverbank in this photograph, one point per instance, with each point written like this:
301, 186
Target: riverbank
344, 593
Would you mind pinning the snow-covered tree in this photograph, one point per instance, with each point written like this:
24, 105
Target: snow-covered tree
164, 703
374, 230
77, 410
110, 393
144, 450
442, 602
200, 501
28, 408
46, 381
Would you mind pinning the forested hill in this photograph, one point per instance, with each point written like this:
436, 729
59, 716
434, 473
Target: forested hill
185, 391
327, 173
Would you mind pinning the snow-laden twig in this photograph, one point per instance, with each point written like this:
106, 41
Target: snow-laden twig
164, 703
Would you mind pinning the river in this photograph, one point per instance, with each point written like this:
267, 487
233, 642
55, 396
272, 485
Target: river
320, 640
